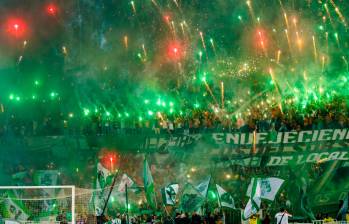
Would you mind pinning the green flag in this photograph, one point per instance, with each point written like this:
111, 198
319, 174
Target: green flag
104, 177
103, 180
169, 194
13, 208
225, 199
148, 185
191, 199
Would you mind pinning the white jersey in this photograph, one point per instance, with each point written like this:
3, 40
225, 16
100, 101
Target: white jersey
282, 217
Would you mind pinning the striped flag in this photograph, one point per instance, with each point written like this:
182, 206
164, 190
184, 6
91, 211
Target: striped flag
269, 187
254, 202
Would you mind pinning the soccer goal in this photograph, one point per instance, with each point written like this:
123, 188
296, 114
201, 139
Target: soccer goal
37, 204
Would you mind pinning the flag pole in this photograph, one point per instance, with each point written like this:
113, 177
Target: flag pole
126, 192
101, 217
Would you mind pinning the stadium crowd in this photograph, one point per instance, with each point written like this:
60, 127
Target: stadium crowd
259, 116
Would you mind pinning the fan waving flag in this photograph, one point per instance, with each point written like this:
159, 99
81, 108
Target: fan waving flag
148, 185
169, 194
203, 186
269, 187
254, 203
225, 199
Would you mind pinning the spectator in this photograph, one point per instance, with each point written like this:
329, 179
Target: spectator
282, 216
266, 219
195, 218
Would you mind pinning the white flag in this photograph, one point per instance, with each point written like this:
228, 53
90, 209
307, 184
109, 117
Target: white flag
169, 194
202, 188
225, 199
254, 203
125, 180
269, 187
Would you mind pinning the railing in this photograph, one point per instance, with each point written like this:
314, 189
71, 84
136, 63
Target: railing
331, 222
10, 221
321, 222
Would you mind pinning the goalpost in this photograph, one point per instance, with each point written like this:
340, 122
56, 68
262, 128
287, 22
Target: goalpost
37, 204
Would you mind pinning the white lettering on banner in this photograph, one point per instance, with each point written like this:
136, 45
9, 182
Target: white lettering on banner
338, 137
253, 162
261, 137
234, 137
183, 141
304, 133
311, 158
163, 141
290, 137
274, 161
195, 138
315, 134
339, 133
323, 155
173, 141
289, 149
285, 160
243, 139
325, 135
342, 157
278, 139
218, 137
334, 156
300, 159
153, 143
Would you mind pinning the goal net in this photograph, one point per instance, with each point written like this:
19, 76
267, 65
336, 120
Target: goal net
38, 204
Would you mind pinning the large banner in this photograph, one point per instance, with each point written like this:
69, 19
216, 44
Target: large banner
256, 149
246, 140
245, 149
